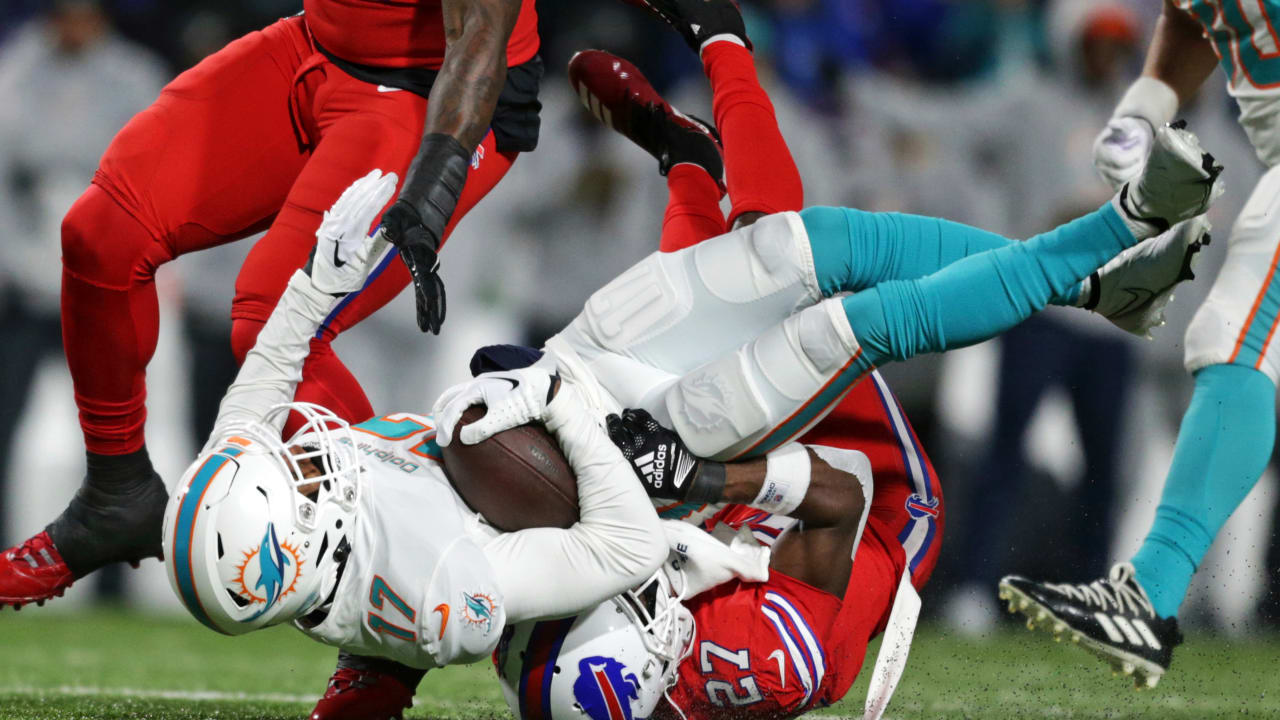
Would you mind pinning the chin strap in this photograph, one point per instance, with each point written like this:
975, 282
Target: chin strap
892, 658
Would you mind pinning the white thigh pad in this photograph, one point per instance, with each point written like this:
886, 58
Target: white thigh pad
677, 311
727, 406
1235, 324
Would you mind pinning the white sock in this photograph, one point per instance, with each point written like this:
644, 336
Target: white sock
729, 37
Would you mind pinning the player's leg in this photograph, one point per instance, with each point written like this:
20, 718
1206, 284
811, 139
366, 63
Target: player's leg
1228, 431
759, 171
776, 385
385, 134
1223, 445
617, 93
207, 163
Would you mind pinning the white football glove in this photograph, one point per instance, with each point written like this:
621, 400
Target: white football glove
1179, 182
344, 250
512, 398
1121, 149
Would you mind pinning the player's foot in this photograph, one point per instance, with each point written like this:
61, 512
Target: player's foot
699, 20
1179, 182
364, 688
32, 572
1111, 617
618, 95
115, 516
1133, 289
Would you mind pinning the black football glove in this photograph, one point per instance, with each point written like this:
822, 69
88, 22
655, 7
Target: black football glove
415, 222
659, 458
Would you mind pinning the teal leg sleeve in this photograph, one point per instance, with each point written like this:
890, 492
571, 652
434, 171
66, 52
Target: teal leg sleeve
854, 250
981, 296
1223, 447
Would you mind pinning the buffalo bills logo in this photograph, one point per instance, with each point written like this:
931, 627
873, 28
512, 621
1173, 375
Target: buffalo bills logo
603, 690
918, 507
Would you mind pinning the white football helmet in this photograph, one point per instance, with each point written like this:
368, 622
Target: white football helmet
613, 662
244, 547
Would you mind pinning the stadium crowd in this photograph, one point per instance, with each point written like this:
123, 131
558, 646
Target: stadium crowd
1051, 442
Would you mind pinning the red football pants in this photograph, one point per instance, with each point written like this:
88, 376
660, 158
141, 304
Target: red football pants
264, 134
759, 170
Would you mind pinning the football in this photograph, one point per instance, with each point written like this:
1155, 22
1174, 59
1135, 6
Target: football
517, 479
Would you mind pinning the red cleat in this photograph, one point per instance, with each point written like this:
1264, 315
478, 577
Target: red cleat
363, 695
619, 96
32, 573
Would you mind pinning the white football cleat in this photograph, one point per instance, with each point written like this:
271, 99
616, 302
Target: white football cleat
1179, 182
1133, 289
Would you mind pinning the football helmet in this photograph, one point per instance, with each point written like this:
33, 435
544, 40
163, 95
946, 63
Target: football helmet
254, 535
614, 661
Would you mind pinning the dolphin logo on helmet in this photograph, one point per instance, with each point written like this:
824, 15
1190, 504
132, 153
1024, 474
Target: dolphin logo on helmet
271, 564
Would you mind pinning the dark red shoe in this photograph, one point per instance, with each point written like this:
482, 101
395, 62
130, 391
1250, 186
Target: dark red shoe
32, 573
618, 94
363, 695
699, 20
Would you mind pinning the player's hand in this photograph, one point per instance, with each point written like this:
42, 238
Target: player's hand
340, 259
1121, 149
511, 398
418, 244
660, 460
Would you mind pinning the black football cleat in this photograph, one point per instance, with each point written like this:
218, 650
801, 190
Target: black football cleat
1111, 617
619, 96
699, 20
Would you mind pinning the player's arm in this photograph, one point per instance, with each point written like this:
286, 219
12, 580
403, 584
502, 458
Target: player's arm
339, 263
617, 542
1179, 60
459, 110
826, 489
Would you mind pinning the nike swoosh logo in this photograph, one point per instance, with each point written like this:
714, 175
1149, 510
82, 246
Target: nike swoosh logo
384, 88
443, 609
782, 665
514, 383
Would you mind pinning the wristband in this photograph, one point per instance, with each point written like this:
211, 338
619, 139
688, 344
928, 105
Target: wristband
707, 485
786, 480
1149, 99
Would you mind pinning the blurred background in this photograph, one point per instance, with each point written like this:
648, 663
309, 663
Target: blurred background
1051, 442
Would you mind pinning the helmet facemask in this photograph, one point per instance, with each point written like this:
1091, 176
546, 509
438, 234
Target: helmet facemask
263, 542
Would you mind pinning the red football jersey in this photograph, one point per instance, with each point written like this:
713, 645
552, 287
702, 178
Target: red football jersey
783, 647
401, 33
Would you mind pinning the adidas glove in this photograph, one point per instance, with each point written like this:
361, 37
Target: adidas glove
659, 458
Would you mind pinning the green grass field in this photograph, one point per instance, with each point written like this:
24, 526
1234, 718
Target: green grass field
127, 665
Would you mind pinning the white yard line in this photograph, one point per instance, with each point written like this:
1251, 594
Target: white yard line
156, 694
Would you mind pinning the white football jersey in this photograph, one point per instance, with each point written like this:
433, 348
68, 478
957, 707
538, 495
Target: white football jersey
1244, 36
416, 587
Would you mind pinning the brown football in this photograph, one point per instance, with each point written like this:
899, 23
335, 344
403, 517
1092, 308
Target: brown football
517, 479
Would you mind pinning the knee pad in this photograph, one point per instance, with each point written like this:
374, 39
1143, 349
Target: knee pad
771, 389
103, 244
676, 311
1237, 322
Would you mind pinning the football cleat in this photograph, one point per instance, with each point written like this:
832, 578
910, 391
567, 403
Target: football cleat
1111, 617
33, 572
367, 689
618, 94
1133, 289
699, 20
1179, 182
